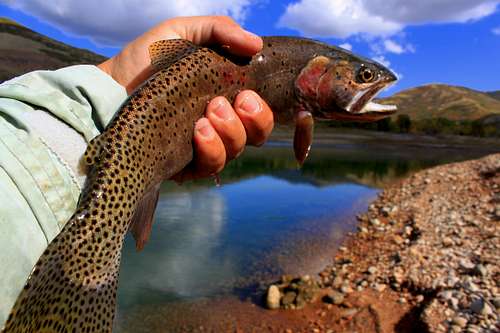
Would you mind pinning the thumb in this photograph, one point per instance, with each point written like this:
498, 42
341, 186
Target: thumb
220, 30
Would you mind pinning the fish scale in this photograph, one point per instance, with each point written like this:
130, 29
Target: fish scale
72, 287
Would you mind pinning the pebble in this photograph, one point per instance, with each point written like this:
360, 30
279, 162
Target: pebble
380, 287
334, 297
375, 222
447, 241
459, 321
466, 264
289, 298
372, 270
479, 306
273, 297
496, 302
349, 312
481, 270
346, 289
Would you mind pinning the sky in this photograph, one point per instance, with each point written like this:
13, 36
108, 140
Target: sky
426, 41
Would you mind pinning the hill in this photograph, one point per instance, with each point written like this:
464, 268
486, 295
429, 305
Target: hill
440, 100
23, 50
494, 94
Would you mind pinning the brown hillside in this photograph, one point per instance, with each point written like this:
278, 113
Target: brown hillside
22, 50
440, 100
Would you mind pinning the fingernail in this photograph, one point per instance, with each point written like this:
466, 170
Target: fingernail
250, 104
204, 128
252, 35
222, 110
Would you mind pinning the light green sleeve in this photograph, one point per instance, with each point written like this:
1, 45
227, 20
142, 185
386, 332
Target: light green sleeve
46, 120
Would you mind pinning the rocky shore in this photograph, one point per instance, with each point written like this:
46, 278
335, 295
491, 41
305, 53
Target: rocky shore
426, 258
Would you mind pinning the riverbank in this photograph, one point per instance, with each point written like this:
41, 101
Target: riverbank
429, 244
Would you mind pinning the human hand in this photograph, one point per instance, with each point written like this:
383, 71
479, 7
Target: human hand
223, 133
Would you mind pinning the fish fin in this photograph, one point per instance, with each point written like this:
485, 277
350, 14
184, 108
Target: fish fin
143, 218
302, 140
164, 53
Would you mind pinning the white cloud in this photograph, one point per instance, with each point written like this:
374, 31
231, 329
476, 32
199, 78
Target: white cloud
344, 18
397, 48
337, 18
393, 47
382, 59
114, 22
496, 31
346, 46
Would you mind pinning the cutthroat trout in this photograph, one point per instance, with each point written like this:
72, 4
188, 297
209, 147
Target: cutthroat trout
72, 287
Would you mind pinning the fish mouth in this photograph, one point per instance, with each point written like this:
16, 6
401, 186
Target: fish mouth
362, 103
361, 107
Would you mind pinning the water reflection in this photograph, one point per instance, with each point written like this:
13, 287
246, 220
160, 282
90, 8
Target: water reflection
186, 233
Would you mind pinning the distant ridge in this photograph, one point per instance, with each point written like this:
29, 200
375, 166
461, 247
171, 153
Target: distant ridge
494, 94
23, 50
445, 101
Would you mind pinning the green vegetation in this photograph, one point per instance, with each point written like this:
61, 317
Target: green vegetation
404, 124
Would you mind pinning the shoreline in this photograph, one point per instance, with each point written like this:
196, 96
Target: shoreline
425, 258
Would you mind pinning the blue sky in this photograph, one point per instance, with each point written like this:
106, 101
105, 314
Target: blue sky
427, 41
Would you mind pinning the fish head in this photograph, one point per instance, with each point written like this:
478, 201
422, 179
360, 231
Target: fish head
340, 85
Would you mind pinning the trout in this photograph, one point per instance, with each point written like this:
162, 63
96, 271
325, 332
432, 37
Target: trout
72, 287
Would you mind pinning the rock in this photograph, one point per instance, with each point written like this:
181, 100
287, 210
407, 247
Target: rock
465, 264
447, 241
459, 321
479, 306
375, 222
289, 298
380, 287
337, 282
471, 286
349, 312
372, 270
305, 278
346, 289
481, 270
496, 302
334, 297
300, 301
398, 277
363, 230
419, 298
386, 211
273, 297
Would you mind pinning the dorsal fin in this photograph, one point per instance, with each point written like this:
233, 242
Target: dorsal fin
143, 217
164, 53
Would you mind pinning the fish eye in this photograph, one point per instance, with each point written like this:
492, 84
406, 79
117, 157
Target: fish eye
365, 75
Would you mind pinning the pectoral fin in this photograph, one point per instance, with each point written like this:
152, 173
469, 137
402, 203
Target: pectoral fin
142, 221
302, 140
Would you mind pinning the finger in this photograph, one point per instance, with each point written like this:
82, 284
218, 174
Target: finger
217, 30
210, 154
255, 115
228, 125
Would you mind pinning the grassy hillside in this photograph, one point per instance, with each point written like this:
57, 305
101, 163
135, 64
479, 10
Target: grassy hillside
23, 50
439, 100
